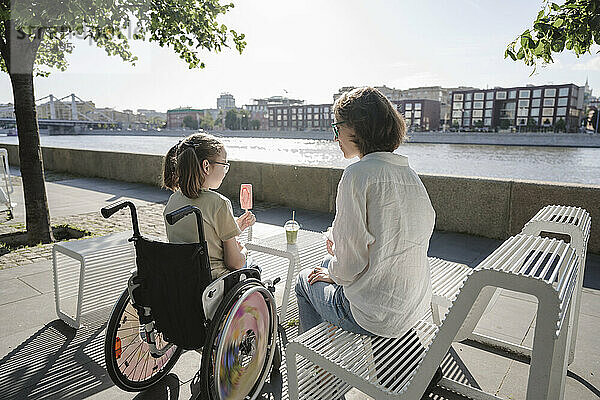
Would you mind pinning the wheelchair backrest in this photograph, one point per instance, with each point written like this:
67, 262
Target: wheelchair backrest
173, 278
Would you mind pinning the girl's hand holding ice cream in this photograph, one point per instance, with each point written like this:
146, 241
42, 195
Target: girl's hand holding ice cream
245, 220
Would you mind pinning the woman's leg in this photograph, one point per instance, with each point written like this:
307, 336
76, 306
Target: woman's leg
323, 302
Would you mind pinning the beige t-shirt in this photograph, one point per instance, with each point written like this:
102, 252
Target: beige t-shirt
219, 225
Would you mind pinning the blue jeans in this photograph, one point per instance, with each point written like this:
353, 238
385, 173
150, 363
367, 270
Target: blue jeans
324, 302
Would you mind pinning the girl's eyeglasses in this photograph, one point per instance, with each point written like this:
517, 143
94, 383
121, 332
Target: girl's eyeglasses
336, 130
224, 164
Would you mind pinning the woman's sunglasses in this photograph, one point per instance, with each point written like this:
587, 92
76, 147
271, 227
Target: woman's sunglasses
336, 130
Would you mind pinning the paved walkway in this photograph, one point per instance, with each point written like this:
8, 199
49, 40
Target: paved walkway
42, 358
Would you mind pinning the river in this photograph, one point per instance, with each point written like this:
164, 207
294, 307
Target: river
553, 164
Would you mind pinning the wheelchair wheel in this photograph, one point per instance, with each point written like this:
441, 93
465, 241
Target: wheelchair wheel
129, 362
241, 343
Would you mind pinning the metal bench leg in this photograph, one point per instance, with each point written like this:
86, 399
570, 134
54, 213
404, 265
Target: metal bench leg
577, 242
436, 314
576, 308
479, 308
287, 292
548, 368
292, 371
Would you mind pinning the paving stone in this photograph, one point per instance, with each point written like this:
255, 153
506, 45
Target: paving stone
24, 314
509, 319
589, 302
42, 281
14, 290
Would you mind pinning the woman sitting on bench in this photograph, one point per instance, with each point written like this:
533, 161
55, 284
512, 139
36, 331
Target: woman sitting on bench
376, 280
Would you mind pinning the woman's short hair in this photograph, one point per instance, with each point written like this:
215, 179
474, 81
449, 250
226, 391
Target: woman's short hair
182, 167
376, 123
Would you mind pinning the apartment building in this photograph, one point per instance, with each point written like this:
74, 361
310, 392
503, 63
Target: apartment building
434, 93
522, 107
259, 109
391, 93
300, 117
175, 116
7, 110
420, 114
225, 102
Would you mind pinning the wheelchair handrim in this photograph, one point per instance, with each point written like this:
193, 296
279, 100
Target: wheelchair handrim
123, 377
272, 330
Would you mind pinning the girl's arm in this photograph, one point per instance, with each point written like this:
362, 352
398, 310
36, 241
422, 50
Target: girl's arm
234, 254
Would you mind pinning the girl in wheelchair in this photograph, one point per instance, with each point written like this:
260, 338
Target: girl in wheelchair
176, 299
193, 169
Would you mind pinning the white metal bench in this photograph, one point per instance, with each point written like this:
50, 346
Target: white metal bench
576, 223
543, 267
90, 274
6, 187
570, 221
309, 252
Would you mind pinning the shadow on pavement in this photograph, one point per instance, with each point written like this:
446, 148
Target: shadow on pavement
56, 362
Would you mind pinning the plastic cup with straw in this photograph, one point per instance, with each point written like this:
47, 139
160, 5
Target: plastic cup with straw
291, 229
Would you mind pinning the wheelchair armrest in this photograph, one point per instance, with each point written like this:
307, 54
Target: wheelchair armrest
213, 294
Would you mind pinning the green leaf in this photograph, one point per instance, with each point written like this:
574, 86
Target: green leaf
540, 15
558, 23
511, 54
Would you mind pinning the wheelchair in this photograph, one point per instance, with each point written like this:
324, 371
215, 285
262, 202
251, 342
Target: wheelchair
170, 305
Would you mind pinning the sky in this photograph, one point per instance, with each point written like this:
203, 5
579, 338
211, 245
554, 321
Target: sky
309, 49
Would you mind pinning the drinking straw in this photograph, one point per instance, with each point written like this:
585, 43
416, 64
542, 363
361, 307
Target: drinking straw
293, 215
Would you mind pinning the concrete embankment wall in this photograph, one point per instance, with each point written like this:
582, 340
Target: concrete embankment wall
493, 208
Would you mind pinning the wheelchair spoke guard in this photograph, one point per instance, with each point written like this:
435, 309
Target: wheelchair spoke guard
240, 348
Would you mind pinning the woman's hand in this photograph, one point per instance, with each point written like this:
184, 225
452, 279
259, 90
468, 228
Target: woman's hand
319, 274
330, 247
246, 220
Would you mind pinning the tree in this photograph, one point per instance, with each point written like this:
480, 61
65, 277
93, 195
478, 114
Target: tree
37, 35
207, 122
244, 120
531, 124
504, 124
255, 124
574, 25
560, 126
231, 120
592, 120
190, 122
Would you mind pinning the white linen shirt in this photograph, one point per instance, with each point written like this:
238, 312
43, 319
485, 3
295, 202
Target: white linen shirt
381, 231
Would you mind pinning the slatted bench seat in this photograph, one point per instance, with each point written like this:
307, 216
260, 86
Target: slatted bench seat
545, 268
90, 274
572, 222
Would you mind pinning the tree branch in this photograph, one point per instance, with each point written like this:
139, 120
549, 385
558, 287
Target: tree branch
37, 39
5, 49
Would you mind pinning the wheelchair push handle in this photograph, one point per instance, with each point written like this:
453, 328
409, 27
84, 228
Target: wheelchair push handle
176, 215
113, 208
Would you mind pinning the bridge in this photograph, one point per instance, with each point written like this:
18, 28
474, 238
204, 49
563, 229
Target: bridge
75, 116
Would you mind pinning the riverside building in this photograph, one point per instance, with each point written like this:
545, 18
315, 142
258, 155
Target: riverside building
522, 108
175, 116
225, 102
420, 114
300, 117
435, 93
259, 109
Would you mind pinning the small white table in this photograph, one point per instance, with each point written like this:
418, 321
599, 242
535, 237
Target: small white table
90, 274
